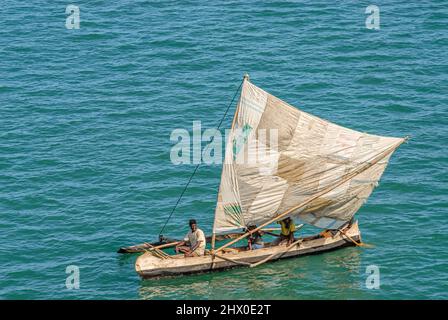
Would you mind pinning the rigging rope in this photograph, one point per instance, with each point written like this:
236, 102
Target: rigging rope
198, 165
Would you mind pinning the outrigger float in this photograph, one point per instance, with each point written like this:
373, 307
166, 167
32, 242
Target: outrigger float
310, 169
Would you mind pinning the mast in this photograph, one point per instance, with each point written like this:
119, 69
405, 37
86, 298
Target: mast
235, 116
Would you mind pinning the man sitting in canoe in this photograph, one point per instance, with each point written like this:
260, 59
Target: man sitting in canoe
255, 241
196, 240
287, 234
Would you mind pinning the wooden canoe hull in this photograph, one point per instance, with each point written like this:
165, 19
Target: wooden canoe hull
149, 266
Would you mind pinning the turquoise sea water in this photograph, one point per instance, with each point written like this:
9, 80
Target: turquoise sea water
86, 117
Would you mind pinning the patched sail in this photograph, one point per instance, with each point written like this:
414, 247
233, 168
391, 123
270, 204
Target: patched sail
278, 157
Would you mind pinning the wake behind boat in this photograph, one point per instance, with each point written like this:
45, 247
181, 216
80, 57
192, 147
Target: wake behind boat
311, 169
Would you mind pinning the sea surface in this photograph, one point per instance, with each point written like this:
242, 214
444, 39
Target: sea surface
86, 117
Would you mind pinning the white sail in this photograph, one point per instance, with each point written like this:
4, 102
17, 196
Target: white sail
278, 156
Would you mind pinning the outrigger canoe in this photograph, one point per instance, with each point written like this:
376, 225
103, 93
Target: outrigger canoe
309, 169
151, 266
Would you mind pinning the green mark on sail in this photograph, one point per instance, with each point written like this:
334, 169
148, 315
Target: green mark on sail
241, 140
233, 210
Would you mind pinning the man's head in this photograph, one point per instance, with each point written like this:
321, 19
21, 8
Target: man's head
251, 227
193, 224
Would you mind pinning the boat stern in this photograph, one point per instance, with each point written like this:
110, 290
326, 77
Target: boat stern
354, 231
147, 263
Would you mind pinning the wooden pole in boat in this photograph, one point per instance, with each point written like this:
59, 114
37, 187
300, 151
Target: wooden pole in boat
295, 243
235, 116
325, 191
168, 245
233, 261
213, 240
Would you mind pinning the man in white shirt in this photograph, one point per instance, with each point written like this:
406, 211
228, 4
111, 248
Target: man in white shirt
194, 242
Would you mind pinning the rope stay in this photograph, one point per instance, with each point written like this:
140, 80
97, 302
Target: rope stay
198, 165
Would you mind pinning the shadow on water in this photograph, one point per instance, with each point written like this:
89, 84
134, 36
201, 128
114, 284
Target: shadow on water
126, 259
331, 275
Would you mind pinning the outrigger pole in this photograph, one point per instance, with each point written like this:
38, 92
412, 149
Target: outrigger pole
323, 192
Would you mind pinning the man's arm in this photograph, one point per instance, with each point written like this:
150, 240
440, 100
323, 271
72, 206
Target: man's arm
189, 254
180, 244
291, 237
196, 246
